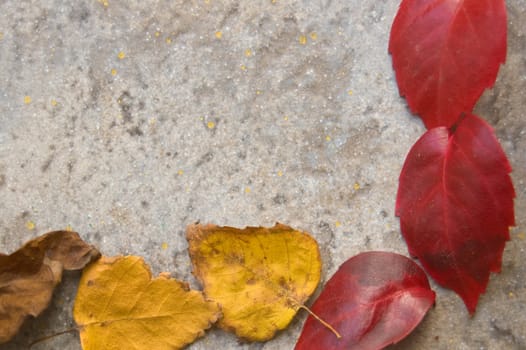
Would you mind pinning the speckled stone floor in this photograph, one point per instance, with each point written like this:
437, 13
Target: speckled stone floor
128, 120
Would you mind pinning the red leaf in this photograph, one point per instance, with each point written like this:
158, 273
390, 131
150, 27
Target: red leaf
445, 53
455, 203
374, 299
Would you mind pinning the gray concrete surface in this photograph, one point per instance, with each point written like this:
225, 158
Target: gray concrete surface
128, 120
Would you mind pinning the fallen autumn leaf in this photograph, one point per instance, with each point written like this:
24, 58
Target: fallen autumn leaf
29, 275
455, 203
260, 276
120, 306
446, 53
373, 300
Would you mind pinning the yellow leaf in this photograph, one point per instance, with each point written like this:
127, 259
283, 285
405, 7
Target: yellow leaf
259, 276
120, 306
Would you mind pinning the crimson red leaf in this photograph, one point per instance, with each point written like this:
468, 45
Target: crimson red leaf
455, 203
374, 299
445, 53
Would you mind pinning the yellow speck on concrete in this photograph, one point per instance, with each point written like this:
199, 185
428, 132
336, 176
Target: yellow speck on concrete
157, 34
349, 92
69, 228
54, 102
211, 125
30, 225
248, 52
121, 55
280, 173
337, 224
114, 72
168, 40
180, 172
356, 186
164, 246
27, 99
302, 39
327, 138
247, 189
243, 67
313, 35
219, 34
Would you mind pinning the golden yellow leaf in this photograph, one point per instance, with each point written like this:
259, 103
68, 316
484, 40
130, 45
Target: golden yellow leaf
29, 275
120, 306
259, 276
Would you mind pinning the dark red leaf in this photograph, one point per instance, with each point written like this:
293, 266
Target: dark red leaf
445, 53
455, 203
374, 299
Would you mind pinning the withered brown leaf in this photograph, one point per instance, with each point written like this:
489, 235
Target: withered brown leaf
29, 275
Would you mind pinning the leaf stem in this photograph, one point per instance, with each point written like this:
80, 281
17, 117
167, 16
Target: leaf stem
70, 330
321, 321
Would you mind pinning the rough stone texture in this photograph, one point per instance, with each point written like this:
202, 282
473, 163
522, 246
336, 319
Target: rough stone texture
234, 113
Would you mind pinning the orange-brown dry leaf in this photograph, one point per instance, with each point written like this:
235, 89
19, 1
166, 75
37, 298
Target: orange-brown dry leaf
259, 276
29, 275
120, 306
